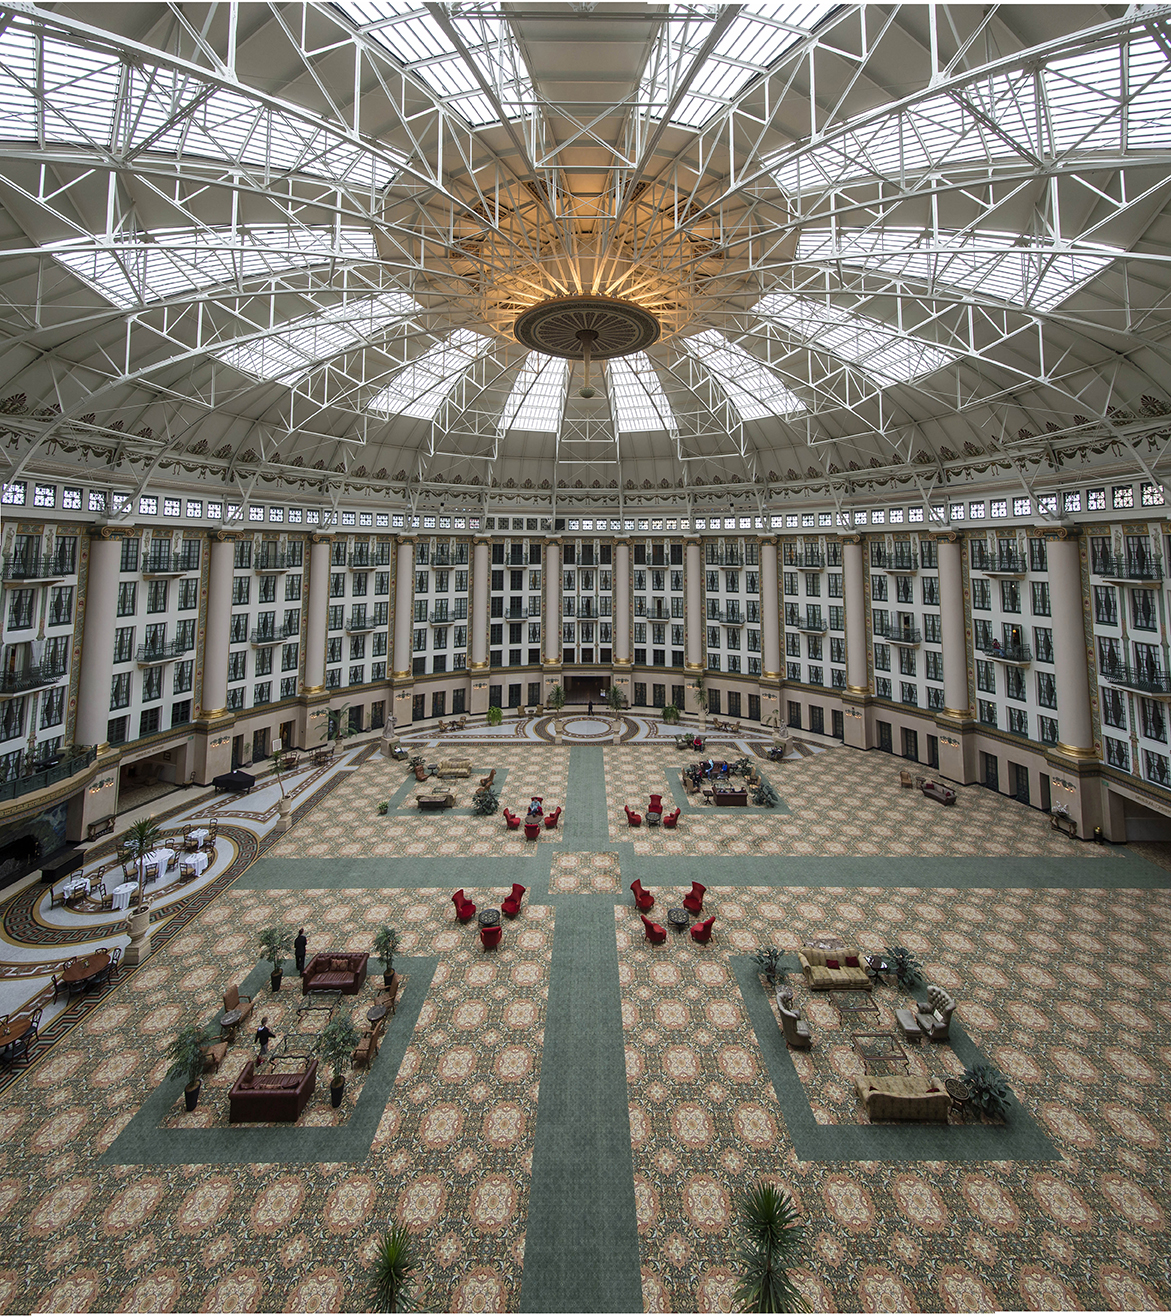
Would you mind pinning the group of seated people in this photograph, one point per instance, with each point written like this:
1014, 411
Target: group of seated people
708, 769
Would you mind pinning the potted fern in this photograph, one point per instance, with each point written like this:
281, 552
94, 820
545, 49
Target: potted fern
768, 960
385, 944
393, 1273
335, 1045
186, 1056
276, 944
495, 716
670, 715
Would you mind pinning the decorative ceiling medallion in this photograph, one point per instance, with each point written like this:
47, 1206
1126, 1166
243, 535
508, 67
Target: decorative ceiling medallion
581, 326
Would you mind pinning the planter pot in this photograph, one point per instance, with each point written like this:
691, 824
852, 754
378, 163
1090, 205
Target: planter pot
390, 981
138, 925
336, 1091
274, 981
191, 1095
284, 808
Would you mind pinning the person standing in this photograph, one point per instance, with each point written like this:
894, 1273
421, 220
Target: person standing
300, 941
264, 1035
591, 708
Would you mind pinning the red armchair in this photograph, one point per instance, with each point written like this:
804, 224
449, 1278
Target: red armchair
643, 899
656, 804
551, 818
512, 820
464, 909
510, 905
702, 932
654, 933
694, 902
532, 831
491, 936
670, 819
634, 819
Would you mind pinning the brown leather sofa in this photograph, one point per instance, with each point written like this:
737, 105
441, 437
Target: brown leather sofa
267, 1097
335, 971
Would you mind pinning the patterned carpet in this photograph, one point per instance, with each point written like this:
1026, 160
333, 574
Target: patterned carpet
1053, 984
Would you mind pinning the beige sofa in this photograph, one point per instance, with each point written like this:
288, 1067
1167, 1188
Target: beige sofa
904, 1098
821, 979
455, 768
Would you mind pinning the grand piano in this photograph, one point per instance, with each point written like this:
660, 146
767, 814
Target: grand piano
240, 782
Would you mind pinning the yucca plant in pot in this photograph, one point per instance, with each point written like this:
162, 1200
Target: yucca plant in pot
141, 838
769, 1236
276, 945
393, 1273
186, 1056
385, 944
335, 1045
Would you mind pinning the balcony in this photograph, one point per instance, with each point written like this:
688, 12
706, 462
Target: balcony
361, 562
263, 635
1155, 683
1003, 564
440, 617
810, 560
729, 617
1127, 569
909, 637
31, 678
900, 564
161, 566
34, 569
441, 559
150, 655
272, 564
360, 622
520, 614
1020, 655
813, 624
728, 558
48, 776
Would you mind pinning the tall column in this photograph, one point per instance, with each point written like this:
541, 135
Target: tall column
317, 616
478, 664
622, 603
97, 651
219, 628
693, 659
552, 605
856, 696
770, 618
404, 609
1075, 756
957, 749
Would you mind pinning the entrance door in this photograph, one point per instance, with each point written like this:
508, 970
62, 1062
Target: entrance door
910, 745
288, 734
794, 714
884, 737
933, 751
992, 772
1046, 792
817, 719
838, 722
260, 745
1020, 781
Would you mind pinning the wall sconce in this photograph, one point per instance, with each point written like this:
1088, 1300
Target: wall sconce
101, 785
1065, 785
950, 741
852, 712
220, 743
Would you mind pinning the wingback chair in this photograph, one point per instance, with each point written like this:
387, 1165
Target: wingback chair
795, 1028
642, 898
934, 1014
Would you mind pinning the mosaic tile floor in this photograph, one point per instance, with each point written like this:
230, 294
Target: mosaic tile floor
1054, 986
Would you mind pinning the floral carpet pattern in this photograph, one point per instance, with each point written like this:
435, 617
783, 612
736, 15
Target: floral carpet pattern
1064, 989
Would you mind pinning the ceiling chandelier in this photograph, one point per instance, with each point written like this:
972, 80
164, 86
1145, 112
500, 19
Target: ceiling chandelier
587, 328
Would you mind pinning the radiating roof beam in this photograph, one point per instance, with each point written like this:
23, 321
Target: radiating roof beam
537, 400
751, 387
756, 38
137, 269
637, 397
874, 346
419, 390
421, 46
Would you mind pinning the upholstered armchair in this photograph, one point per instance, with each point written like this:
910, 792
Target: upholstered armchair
795, 1028
934, 1014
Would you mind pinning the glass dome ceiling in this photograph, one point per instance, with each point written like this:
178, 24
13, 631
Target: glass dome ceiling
921, 244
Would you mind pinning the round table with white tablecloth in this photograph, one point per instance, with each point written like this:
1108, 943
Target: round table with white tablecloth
162, 857
199, 860
122, 894
199, 835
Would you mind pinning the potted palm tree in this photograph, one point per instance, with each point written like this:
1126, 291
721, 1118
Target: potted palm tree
335, 1045
555, 700
140, 839
768, 1237
186, 1056
701, 700
385, 945
393, 1272
276, 945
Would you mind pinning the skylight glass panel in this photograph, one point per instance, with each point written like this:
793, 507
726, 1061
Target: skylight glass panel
538, 396
410, 33
293, 351
63, 93
753, 41
421, 388
1037, 275
751, 387
637, 397
138, 269
876, 347
1116, 98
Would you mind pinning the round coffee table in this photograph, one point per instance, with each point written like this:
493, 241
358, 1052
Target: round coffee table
230, 1021
489, 918
678, 919
959, 1094
375, 1013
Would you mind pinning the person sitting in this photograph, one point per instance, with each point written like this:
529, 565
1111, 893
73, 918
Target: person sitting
535, 808
697, 743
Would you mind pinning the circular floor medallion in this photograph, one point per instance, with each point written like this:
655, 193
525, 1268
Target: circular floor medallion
586, 726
